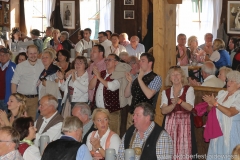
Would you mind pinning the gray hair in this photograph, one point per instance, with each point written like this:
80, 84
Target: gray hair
71, 124
234, 75
209, 68
148, 110
208, 34
65, 34
52, 100
84, 109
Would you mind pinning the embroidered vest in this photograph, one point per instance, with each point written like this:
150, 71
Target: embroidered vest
137, 94
149, 150
110, 98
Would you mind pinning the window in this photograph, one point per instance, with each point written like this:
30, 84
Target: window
37, 14
39, 20
97, 15
198, 17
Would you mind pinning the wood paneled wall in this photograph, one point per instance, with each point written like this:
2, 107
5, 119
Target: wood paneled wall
129, 26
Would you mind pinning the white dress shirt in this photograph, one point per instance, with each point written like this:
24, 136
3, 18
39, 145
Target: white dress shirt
106, 44
112, 86
3, 67
190, 96
26, 77
112, 49
53, 132
135, 52
83, 44
114, 140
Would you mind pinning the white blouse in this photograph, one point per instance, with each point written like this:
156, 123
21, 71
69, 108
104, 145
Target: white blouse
114, 140
190, 96
32, 152
80, 85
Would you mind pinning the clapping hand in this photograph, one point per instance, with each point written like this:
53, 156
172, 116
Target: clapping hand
4, 117
174, 101
95, 142
60, 75
128, 77
141, 73
96, 72
210, 99
73, 76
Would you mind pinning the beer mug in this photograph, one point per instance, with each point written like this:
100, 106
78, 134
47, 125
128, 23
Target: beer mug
110, 154
44, 140
129, 154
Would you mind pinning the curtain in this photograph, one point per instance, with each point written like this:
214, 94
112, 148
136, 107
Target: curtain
99, 17
106, 15
50, 6
217, 11
28, 5
187, 18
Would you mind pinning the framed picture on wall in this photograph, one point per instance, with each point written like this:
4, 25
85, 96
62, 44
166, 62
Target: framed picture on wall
128, 14
233, 17
67, 10
128, 2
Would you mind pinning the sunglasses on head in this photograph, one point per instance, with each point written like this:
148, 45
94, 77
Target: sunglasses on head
174, 67
4, 50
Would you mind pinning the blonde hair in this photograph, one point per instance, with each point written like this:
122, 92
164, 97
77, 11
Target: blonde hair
51, 52
218, 44
236, 153
168, 81
191, 39
225, 69
21, 99
56, 30
102, 110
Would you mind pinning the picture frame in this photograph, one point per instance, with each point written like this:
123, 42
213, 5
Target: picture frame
128, 14
67, 10
128, 2
233, 14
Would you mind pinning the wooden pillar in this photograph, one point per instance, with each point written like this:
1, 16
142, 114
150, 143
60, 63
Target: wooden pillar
164, 43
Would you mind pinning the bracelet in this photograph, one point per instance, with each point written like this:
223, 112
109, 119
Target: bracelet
215, 104
179, 101
98, 149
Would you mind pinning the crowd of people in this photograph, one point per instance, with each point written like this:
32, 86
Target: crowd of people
106, 96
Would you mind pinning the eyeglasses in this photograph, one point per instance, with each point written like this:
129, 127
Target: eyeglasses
5, 141
174, 67
108, 60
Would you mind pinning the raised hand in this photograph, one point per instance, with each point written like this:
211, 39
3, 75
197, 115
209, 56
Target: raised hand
128, 77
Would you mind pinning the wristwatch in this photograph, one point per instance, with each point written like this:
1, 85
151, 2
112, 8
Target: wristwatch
98, 149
